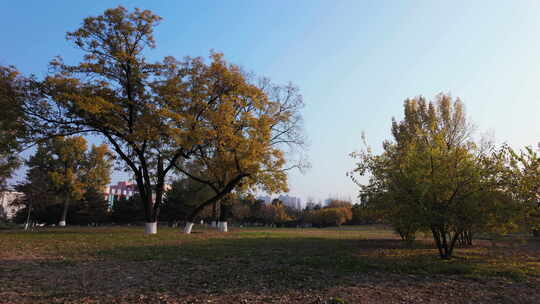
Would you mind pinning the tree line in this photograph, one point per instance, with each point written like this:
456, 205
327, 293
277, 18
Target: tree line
244, 211
65, 183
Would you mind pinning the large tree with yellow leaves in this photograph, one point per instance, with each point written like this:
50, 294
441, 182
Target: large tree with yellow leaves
169, 114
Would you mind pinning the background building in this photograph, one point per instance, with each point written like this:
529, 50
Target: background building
291, 201
124, 190
265, 198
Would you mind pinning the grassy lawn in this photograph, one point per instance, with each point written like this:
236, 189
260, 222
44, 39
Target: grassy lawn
355, 264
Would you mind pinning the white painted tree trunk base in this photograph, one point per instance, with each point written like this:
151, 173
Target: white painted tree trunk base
150, 228
62, 224
222, 227
213, 224
188, 227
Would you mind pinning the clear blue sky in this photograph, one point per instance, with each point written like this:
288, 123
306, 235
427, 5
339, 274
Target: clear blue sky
354, 61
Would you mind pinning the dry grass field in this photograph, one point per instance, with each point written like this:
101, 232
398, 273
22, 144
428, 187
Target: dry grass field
349, 265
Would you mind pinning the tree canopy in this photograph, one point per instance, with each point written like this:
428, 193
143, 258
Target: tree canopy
523, 183
12, 126
62, 171
433, 176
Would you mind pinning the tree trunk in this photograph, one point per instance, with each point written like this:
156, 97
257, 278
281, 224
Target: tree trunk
437, 239
188, 227
215, 218
222, 226
223, 216
453, 244
62, 222
219, 195
439, 235
468, 236
445, 241
150, 208
150, 228
29, 207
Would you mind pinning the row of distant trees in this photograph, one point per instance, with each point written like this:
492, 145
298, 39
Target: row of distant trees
246, 211
202, 119
91, 208
433, 176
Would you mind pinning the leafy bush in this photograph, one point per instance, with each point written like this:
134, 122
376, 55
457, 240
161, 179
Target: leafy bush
329, 216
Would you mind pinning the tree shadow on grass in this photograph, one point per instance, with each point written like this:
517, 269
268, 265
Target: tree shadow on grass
296, 259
